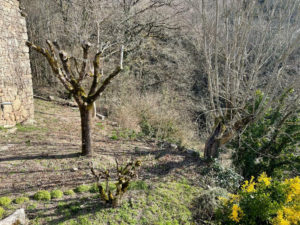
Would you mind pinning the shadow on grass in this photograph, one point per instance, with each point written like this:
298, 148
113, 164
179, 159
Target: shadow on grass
41, 156
68, 209
166, 166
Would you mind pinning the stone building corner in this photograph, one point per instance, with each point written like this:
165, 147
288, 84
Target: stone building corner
16, 95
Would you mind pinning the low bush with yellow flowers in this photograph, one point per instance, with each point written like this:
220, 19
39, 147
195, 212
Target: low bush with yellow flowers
263, 201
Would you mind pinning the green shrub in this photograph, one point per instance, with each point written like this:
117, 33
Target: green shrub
100, 125
69, 192
270, 144
223, 177
126, 134
263, 202
2, 211
82, 188
32, 206
207, 203
21, 200
114, 136
56, 194
5, 201
42, 195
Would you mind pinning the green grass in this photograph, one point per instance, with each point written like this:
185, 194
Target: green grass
138, 185
5, 201
82, 188
32, 207
163, 203
114, 136
125, 134
2, 211
29, 128
94, 188
100, 125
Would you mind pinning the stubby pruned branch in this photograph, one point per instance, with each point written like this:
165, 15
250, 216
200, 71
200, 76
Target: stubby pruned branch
53, 63
85, 47
93, 94
97, 73
105, 83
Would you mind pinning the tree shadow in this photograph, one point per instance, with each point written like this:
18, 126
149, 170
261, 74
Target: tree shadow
69, 209
185, 159
40, 156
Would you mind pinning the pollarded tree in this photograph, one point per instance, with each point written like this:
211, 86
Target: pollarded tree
84, 84
246, 46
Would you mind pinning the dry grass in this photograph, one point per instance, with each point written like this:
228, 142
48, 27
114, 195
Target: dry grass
158, 111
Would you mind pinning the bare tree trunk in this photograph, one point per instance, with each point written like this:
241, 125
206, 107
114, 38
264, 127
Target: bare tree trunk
213, 143
86, 114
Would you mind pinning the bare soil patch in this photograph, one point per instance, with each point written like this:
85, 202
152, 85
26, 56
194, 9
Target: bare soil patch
44, 155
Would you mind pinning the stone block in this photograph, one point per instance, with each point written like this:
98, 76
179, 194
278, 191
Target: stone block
16, 104
18, 217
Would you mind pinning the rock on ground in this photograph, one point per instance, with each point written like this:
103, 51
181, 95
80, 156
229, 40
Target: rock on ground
18, 217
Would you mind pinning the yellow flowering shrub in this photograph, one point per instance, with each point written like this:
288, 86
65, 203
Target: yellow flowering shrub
288, 215
236, 214
249, 186
294, 189
263, 178
264, 201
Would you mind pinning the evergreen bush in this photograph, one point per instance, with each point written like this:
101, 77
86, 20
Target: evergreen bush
270, 144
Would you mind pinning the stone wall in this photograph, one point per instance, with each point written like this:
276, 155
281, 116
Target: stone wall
16, 97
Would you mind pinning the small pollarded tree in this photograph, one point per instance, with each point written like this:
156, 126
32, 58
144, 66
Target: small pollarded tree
83, 83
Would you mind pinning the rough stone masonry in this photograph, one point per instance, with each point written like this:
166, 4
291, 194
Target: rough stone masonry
16, 97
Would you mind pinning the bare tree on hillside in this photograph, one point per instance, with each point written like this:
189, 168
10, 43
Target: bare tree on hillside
80, 80
246, 47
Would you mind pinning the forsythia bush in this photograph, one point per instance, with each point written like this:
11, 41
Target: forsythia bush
263, 202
